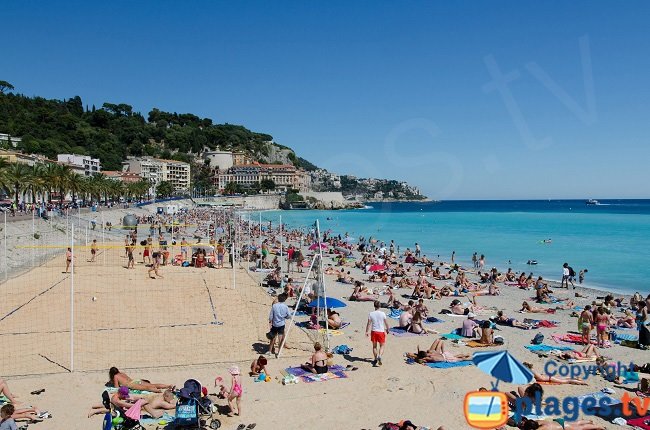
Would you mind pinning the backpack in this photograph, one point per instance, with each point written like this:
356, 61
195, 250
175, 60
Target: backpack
571, 271
538, 339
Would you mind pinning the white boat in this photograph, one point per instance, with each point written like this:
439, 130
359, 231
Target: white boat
592, 202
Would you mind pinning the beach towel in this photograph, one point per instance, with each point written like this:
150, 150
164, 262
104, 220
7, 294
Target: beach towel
147, 420
395, 331
640, 422
112, 390
332, 332
335, 372
626, 336
541, 323
453, 336
394, 314
599, 395
547, 348
476, 344
445, 365
570, 338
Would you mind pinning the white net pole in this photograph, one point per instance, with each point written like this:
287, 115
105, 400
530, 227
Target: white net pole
72, 268
6, 255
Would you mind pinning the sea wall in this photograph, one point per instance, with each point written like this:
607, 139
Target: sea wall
259, 202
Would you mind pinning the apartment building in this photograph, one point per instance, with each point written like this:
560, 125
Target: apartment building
81, 164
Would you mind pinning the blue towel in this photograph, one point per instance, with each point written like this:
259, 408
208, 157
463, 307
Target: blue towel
342, 349
626, 336
545, 348
394, 314
453, 336
444, 365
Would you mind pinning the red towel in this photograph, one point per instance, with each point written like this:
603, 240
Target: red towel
639, 422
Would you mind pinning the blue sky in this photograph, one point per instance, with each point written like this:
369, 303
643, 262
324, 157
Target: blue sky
402, 90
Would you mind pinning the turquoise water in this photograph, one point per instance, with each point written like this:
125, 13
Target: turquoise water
610, 241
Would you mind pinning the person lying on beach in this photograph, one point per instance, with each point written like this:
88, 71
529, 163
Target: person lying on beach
501, 319
589, 351
436, 353
4, 390
119, 379
259, 366
334, 319
458, 308
318, 362
30, 414
525, 307
553, 379
531, 391
123, 400
157, 404
360, 294
559, 424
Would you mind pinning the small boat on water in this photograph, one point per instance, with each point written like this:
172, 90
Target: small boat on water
593, 202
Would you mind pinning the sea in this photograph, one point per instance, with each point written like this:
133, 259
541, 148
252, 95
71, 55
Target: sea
610, 240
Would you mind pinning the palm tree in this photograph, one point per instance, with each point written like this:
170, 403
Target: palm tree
49, 175
17, 176
36, 183
75, 183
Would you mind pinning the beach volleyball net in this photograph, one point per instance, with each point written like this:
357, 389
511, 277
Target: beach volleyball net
100, 313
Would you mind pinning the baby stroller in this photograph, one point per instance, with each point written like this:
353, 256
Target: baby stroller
192, 410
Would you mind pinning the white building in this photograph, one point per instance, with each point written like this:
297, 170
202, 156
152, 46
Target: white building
9, 140
156, 170
82, 164
223, 160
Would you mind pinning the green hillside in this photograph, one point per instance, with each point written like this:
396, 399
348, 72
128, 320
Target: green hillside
114, 131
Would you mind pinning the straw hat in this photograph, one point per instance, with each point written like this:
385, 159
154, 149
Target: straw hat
234, 370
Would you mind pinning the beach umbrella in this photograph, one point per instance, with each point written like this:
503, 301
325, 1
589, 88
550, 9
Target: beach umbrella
377, 268
134, 411
503, 366
315, 246
330, 303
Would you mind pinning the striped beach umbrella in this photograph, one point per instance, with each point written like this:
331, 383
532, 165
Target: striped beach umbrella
503, 366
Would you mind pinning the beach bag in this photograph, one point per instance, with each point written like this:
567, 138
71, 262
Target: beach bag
498, 340
538, 339
143, 243
342, 349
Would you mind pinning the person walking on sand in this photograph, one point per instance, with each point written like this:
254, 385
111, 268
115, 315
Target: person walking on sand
565, 276
377, 328
277, 317
68, 259
129, 254
418, 251
155, 265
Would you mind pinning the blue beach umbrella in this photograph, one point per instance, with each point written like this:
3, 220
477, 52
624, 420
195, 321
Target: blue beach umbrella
330, 303
503, 367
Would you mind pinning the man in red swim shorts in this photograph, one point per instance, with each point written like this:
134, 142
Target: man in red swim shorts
377, 328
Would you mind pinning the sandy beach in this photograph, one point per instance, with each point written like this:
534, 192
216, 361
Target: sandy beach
192, 323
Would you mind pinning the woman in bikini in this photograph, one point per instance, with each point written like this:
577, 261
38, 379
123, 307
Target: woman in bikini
119, 379
553, 379
417, 325
436, 353
589, 351
602, 323
318, 362
501, 319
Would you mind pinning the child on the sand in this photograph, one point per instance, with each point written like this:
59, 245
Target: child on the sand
259, 366
235, 392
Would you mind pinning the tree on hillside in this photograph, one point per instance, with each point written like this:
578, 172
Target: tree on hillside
164, 189
4, 86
